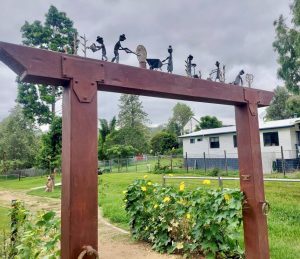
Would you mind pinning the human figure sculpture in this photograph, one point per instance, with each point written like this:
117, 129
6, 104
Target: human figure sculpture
219, 75
170, 60
118, 47
188, 65
239, 80
102, 47
95, 48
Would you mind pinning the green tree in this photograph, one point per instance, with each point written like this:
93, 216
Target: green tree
163, 142
120, 151
287, 45
106, 128
50, 152
209, 122
182, 113
55, 34
131, 120
134, 137
131, 113
19, 139
278, 108
293, 106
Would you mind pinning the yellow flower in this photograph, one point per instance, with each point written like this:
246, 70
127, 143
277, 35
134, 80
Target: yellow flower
149, 183
124, 192
170, 175
179, 245
181, 187
227, 197
188, 215
166, 199
125, 200
145, 176
143, 188
206, 182
155, 206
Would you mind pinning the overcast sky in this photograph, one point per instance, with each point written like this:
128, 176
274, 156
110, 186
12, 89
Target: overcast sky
236, 33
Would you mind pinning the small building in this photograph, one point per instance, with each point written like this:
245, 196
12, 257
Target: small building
279, 140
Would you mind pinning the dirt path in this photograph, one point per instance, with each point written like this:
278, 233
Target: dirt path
114, 243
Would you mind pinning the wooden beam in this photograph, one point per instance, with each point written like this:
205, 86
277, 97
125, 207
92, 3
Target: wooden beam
42, 66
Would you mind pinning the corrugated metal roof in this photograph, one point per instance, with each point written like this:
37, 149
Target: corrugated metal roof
231, 129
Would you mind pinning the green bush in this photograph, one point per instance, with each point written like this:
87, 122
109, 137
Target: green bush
34, 236
198, 222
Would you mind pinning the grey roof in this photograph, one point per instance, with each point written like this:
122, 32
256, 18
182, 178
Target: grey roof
231, 129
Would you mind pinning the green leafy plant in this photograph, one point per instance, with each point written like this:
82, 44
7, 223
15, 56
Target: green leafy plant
197, 222
32, 236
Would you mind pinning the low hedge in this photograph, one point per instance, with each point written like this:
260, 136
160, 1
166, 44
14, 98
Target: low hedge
202, 222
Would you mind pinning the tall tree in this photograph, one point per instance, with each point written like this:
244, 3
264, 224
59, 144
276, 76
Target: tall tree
55, 34
182, 113
51, 145
278, 108
293, 106
209, 122
131, 112
287, 45
163, 142
105, 129
19, 139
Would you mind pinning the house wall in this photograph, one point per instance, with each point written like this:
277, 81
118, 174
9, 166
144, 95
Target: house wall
287, 139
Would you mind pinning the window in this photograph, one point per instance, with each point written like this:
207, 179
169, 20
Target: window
214, 142
234, 141
199, 138
271, 139
192, 141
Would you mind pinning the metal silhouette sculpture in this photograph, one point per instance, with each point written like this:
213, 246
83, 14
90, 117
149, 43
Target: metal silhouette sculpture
170, 60
118, 47
188, 65
102, 47
249, 79
217, 73
239, 80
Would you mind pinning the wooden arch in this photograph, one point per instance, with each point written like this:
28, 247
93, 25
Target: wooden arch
81, 78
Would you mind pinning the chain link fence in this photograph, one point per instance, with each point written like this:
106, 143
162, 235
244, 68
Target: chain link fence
284, 161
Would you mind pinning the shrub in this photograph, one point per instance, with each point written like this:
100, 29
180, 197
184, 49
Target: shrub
34, 236
197, 222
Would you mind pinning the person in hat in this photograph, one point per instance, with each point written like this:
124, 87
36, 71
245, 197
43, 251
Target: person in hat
170, 60
189, 65
102, 47
118, 47
239, 80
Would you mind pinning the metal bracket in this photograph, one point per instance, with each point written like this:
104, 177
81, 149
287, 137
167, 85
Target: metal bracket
245, 177
85, 90
252, 97
265, 208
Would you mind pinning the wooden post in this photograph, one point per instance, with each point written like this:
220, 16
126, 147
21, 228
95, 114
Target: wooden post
282, 161
226, 162
171, 163
186, 162
251, 179
79, 174
204, 157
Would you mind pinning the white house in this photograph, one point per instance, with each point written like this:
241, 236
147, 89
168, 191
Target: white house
191, 125
212, 143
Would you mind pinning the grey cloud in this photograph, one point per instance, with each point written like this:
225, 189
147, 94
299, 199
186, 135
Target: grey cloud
237, 33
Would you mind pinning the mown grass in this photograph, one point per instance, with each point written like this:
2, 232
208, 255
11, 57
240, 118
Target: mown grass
25, 183
283, 219
4, 219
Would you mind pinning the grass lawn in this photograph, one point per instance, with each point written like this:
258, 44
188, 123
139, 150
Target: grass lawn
4, 219
26, 183
283, 219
